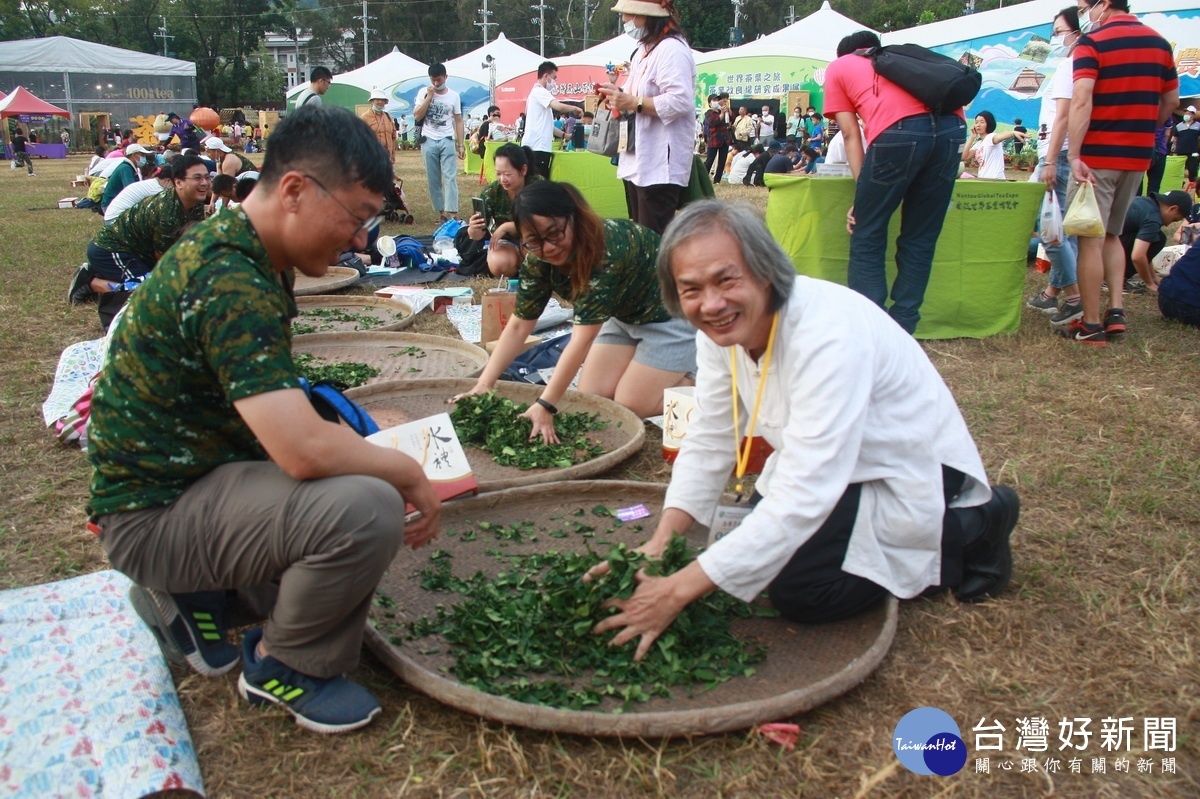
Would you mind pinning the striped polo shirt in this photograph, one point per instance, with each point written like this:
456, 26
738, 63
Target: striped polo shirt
1133, 67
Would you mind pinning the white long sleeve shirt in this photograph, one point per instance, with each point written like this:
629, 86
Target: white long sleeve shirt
662, 144
849, 398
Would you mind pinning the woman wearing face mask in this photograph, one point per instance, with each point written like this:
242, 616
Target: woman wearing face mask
1055, 171
984, 147
659, 94
514, 171
717, 136
630, 348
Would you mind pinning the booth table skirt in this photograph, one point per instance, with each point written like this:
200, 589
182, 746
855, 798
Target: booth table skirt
44, 150
978, 278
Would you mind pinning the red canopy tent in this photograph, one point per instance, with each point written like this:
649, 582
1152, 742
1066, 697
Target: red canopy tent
23, 102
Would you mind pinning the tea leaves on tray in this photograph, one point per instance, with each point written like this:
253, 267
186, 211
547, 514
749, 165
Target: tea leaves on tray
495, 425
526, 632
348, 374
315, 320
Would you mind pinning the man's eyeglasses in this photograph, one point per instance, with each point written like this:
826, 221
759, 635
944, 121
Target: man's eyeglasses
363, 224
553, 238
199, 178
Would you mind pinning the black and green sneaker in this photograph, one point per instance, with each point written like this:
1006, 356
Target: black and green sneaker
190, 628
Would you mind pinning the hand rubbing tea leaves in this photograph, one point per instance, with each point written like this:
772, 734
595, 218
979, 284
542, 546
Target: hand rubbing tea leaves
526, 633
494, 424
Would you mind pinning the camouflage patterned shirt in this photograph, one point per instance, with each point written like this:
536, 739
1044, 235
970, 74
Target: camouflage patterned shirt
149, 228
499, 204
623, 285
210, 326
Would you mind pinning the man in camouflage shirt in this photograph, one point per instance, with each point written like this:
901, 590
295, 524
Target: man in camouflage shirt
123, 253
212, 470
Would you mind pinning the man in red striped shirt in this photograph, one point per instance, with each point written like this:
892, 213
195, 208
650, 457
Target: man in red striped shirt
1125, 86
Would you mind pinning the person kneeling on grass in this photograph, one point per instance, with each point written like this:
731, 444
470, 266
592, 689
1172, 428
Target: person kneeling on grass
123, 253
211, 469
628, 345
1179, 291
875, 486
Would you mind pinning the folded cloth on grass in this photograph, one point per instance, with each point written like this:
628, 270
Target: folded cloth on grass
87, 705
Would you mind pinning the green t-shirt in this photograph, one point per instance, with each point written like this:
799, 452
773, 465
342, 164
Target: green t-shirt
623, 285
499, 204
149, 228
211, 325
246, 166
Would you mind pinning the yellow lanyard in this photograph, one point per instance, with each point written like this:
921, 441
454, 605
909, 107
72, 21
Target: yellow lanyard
742, 448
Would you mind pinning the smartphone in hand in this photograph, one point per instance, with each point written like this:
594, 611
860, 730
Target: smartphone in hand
479, 206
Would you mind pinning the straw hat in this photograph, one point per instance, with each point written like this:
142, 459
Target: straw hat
643, 8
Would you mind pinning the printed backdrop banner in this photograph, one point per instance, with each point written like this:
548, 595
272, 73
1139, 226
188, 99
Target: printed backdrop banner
979, 265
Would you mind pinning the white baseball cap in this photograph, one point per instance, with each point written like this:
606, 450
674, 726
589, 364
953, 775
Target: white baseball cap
1192, 108
131, 149
215, 143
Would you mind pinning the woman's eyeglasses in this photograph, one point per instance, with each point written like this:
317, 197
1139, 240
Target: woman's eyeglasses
553, 238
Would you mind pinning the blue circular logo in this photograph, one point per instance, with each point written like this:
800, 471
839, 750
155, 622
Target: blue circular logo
928, 741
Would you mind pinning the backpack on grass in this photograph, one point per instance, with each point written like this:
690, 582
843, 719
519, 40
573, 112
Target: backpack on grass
944, 85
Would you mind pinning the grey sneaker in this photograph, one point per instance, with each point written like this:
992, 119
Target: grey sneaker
1069, 312
1043, 302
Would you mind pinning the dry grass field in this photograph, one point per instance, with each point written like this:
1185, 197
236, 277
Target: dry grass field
1101, 620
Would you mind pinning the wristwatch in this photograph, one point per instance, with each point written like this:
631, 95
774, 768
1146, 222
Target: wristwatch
639, 105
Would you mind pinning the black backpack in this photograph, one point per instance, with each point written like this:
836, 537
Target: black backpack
941, 83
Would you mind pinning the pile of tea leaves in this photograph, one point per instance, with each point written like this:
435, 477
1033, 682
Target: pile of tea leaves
317, 320
495, 425
350, 375
526, 632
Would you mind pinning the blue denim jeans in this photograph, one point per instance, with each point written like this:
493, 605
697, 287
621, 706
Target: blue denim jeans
1063, 256
441, 170
915, 161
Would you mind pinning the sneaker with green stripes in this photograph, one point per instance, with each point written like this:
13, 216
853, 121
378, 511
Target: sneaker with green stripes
321, 705
189, 627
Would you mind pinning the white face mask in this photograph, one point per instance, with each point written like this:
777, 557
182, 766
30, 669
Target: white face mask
714, 105
552, 87
634, 32
1187, 117
1086, 23
1059, 47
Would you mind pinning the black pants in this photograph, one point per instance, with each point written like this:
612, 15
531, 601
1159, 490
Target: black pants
716, 154
813, 588
1127, 242
1154, 175
652, 206
541, 164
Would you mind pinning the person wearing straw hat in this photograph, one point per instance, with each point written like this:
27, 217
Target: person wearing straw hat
381, 124
659, 96
875, 486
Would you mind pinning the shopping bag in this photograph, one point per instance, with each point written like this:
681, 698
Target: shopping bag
497, 309
1083, 217
1052, 221
605, 133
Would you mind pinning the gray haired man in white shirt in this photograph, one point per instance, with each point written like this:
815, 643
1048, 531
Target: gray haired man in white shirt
875, 486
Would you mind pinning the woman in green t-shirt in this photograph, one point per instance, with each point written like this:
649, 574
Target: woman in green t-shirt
630, 348
513, 172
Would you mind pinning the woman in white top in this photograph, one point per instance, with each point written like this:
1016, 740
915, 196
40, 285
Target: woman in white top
984, 147
659, 99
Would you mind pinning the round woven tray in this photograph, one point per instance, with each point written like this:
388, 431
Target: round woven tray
436, 356
338, 277
408, 400
804, 667
390, 313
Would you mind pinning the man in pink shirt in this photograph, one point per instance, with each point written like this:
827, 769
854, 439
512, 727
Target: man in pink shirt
913, 157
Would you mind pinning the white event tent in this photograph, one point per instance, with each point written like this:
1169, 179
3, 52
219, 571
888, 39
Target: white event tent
353, 88
511, 60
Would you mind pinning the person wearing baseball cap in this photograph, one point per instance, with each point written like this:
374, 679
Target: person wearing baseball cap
1142, 236
125, 174
1187, 142
228, 162
185, 131
381, 124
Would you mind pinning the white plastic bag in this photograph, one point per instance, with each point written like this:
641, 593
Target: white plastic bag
1052, 221
1083, 217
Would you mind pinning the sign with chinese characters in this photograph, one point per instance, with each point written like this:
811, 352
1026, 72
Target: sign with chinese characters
434, 445
1121, 745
